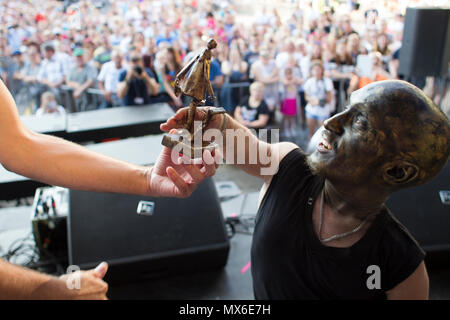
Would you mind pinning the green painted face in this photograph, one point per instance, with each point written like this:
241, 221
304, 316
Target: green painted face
391, 136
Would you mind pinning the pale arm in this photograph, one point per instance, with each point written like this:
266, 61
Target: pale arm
58, 162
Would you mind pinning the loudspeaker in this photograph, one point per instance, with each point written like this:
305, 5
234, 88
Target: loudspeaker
144, 237
425, 211
425, 47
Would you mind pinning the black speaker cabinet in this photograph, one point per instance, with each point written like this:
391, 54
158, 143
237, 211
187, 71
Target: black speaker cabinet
144, 237
425, 47
425, 211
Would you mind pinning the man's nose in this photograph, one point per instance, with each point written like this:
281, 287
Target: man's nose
335, 123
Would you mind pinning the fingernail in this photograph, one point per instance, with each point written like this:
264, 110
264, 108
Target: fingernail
101, 266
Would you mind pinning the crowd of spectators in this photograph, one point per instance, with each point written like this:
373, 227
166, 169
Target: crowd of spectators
302, 58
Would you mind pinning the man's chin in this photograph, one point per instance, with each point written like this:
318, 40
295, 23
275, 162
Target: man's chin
317, 165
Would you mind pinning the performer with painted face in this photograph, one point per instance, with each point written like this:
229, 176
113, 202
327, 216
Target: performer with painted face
322, 229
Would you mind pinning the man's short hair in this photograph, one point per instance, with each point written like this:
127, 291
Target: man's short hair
49, 47
135, 57
315, 63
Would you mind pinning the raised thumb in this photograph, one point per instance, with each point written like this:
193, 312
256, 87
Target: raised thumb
100, 270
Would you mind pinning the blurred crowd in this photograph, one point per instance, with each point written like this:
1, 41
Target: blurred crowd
291, 65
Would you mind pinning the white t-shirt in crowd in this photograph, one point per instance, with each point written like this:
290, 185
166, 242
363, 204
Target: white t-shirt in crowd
318, 89
58, 111
109, 74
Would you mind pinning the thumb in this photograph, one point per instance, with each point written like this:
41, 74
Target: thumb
100, 270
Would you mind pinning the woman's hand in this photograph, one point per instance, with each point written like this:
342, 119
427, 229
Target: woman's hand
174, 175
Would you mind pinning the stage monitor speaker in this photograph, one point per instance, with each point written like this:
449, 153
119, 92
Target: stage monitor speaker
425, 47
167, 237
425, 211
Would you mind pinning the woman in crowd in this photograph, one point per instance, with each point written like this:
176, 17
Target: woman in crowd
382, 46
341, 71
353, 47
252, 111
289, 99
265, 71
167, 67
235, 71
377, 74
319, 94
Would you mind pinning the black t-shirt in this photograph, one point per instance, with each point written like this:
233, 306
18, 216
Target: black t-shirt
289, 261
251, 114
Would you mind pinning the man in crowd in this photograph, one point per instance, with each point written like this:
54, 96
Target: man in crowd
322, 226
137, 84
81, 77
108, 80
51, 72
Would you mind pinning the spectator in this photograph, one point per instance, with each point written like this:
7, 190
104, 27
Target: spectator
29, 94
382, 46
265, 71
216, 76
341, 71
49, 105
377, 74
80, 78
235, 71
108, 80
18, 65
353, 47
252, 54
288, 53
51, 73
167, 66
319, 95
252, 110
289, 102
137, 84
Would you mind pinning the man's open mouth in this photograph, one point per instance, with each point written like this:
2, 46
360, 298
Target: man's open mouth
324, 146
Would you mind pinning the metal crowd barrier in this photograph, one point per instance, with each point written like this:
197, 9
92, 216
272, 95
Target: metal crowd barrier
92, 95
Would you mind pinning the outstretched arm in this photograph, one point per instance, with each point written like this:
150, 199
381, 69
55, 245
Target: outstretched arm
59, 162
240, 146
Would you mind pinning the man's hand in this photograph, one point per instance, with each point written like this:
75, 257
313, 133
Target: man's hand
92, 287
131, 74
77, 93
107, 95
177, 176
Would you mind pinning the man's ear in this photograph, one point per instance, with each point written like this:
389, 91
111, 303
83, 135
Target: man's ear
399, 173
